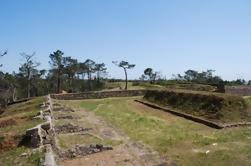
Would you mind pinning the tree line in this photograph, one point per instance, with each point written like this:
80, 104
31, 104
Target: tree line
70, 75
65, 74
190, 76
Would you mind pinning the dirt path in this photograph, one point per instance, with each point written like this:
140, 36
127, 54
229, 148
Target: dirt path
124, 153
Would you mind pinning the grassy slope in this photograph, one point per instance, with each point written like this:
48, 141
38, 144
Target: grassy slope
147, 85
11, 134
191, 86
181, 140
130, 86
213, 106
248, 101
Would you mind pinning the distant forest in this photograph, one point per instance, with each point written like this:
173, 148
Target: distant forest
69, 75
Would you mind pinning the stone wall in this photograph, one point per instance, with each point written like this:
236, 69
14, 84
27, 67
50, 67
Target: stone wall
42, 136
98, 94
238, 90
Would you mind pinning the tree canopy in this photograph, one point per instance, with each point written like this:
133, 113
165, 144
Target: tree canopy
28, 69
125, 65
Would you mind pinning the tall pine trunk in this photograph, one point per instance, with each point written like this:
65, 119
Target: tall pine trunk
125, 78
58, 82
89, 81
29, 82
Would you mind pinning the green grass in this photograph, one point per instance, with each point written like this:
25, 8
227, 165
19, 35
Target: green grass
20, 128
248, 101
13, 157
22, 114
28, 108
132, 86
170, 85
191, 86
179, 139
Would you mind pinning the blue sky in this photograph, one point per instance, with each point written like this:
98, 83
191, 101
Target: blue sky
170, 36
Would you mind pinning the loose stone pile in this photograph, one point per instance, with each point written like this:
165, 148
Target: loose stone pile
80, 150
69, 128
64, 117
63, 109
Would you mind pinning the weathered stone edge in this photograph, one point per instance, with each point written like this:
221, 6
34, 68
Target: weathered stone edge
37, 133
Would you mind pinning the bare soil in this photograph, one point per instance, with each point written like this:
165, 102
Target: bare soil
11, 120
8, 122
8, 141
7, 145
